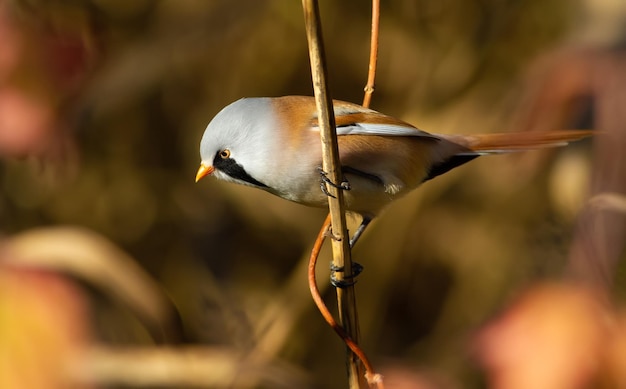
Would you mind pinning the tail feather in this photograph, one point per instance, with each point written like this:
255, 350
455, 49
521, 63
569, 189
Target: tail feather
464, 148
518, 141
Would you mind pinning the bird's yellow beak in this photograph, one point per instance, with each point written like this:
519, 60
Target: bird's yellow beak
204, 171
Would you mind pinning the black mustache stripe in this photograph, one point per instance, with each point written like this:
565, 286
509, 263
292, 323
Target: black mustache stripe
230, 167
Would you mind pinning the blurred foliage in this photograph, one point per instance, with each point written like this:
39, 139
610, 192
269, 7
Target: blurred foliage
103, 102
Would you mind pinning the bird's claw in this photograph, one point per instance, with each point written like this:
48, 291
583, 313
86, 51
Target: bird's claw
343, 185
347, 280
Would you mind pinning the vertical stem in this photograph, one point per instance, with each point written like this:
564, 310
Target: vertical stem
371, 74
346, 298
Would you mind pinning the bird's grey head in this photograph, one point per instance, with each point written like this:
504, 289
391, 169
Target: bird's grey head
236, 144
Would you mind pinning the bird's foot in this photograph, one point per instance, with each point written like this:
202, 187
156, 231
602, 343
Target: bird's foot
324, 180
347, 280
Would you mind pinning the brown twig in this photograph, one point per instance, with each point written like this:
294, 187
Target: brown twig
373, 379
346, 299
371, 75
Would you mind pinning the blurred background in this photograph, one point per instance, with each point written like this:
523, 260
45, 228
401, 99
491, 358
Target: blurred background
117, 270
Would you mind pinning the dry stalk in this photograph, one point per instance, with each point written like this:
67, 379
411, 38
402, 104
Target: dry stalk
330, 164
349, 329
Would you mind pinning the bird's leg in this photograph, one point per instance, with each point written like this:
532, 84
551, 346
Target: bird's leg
347, 280
344, 185
357, 268
359, 231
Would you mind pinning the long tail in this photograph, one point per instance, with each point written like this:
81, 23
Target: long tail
517, 141
461, 149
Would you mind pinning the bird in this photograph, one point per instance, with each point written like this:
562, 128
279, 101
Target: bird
273, 144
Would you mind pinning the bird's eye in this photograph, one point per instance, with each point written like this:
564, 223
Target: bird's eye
224, 154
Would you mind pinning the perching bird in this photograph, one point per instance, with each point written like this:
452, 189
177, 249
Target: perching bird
274, 144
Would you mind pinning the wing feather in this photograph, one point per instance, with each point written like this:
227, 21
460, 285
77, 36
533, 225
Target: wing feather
381, 129
351, 119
